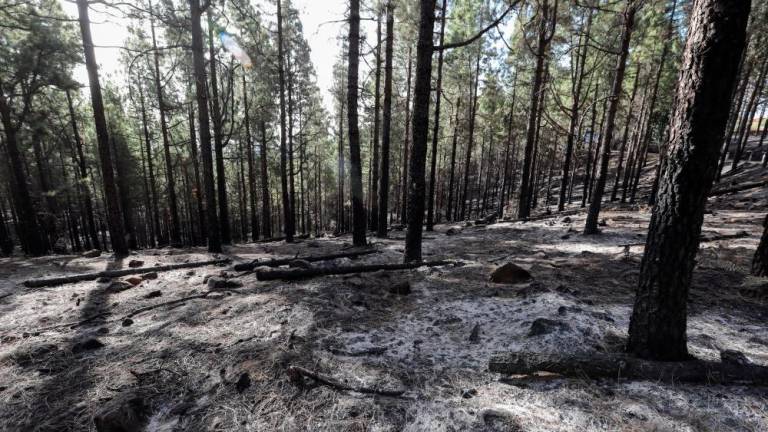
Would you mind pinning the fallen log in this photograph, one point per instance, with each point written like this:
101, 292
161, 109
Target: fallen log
285, 261
295, 374
281, 238
739, 188
38, 283
703, 239
297, 274
601, 365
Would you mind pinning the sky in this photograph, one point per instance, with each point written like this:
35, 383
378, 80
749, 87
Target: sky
320, 19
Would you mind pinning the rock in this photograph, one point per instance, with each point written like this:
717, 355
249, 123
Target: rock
474, 336
104, 279
215, 282
734, 357
542, 326
135, 263
134, 280
603, 223
154, 294
87, 345
300, 263
453, 231
510, 273
562, 310
566, 220
401, 288
93, 253
243, 382
119, 286
468, 393
125, 413
500, 420
127, 322
149, 276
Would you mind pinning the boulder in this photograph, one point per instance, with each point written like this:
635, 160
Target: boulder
510, 273
134, 280
149, 276
154, 294
127, 322
135, 263
119, 286
215, 282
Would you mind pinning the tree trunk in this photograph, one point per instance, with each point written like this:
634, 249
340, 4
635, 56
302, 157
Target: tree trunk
760, 259
86, 192
436, 127
356, 168
383, 192
217, 116
111, 198
196, 170
471, 142
404, 160
266, 210
449, 210
288, 227
420, 130
625, 135
526, 188
716, 38
175, 228
251, 166
607, 135
373, 191
212, 220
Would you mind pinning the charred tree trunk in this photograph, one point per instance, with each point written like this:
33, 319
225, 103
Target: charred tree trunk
218, 125
374, 193
266, 210
449, 210
404, 160
383, 191
716, 38
420, 131
470, 144
607, 135
760, 259
251, 166
196, 170
625, 135
356, 168
111, 198
436, 127
212, 220
288, 227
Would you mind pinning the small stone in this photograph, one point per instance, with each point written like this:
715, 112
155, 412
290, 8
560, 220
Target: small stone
300, 263
243, 382
191, 273
135, 263
453, 231
127, 322
510, 273
220, 283
468, 393
119, 286
562, 310
566, 220
603, 223
149, 276
87, 345
93, 253
401, 288
154, 294
542, 326
134, 280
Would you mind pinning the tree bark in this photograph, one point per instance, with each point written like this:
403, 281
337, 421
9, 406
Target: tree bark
716, 38
288, 226
383, 192
111, 199
356, 167
218, 125
420, 131
212, 220
613, 105
436, 127
404, 161
760, 259
374, 192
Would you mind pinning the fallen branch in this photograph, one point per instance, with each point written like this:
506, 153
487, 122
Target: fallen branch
295, 374
740, 234
285, 261
597, 365
297, 274
739, 188
37, 283
277, 239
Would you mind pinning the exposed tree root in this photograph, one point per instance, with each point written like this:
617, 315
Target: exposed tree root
296, 374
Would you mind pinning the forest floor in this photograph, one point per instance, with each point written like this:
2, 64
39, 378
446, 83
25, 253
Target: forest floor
219, 362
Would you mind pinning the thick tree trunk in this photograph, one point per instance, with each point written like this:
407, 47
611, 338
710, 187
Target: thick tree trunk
356, 167
760, 259
212, 220
266, 210
155, 213
383, 192
716, 38
420, 131
374, 192
607, 135
449, 210
111, 198
471, 143
404, 160
251, 166
196, 170
625, 135
436, 127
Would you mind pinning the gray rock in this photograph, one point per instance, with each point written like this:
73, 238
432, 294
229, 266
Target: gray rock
119, 286
510, 273
542, 326
135, 263
468, 393
149, 276
154, 294
93, 253
215, 282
